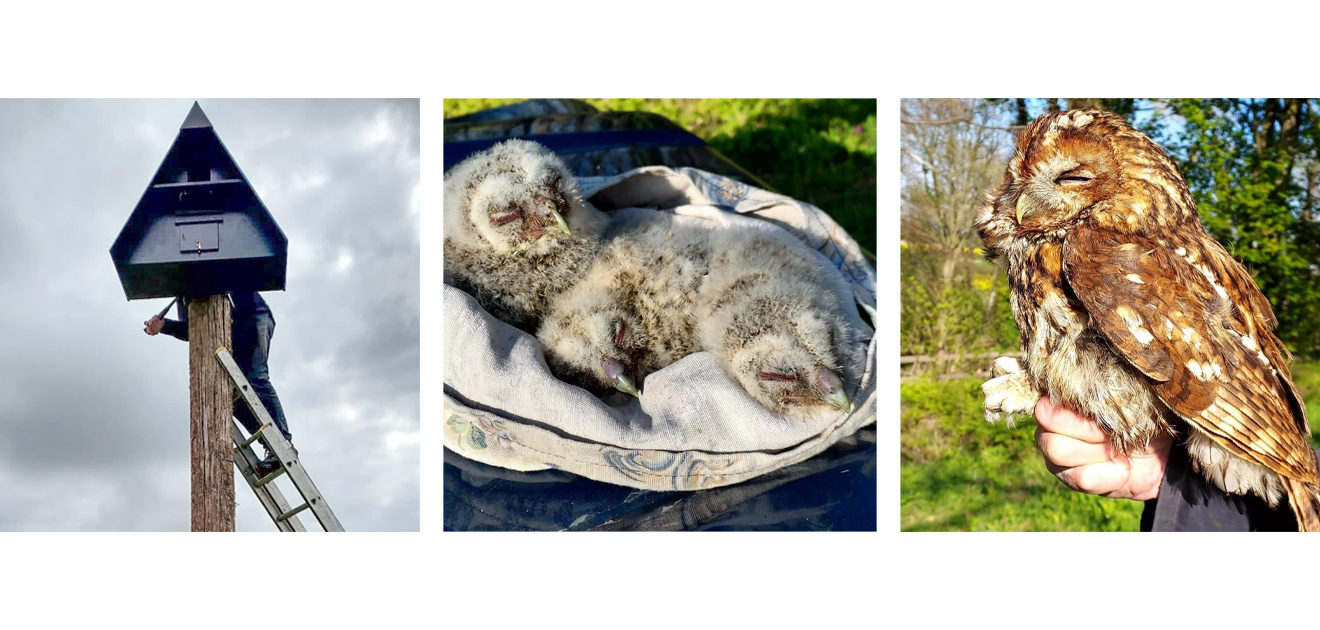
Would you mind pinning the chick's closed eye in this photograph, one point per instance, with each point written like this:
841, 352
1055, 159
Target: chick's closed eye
501, 217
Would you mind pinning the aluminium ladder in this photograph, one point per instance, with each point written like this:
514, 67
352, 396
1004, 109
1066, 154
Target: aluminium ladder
286, 518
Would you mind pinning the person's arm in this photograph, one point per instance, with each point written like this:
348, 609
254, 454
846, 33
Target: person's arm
174, 328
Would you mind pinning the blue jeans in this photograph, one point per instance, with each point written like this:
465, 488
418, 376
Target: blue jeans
251, 350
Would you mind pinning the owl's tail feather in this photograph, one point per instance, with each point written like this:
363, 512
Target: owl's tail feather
1305, 501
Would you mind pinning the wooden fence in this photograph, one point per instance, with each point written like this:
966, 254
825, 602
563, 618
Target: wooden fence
914, 365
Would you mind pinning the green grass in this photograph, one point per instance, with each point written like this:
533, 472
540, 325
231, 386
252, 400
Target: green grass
821, 151
1306, 375
961, 473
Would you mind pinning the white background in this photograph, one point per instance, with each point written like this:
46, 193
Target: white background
814, 49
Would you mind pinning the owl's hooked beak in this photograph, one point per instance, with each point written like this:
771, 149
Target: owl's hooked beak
614, 372
1022, 209
626, 385
831, 387
547, 210
559, 221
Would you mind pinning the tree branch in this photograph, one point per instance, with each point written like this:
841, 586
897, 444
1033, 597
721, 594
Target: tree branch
920, 161
961, 120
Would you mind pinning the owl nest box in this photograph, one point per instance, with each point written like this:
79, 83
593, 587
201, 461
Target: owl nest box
199, 229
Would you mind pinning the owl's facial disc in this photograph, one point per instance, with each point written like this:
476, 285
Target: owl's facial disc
522, 212
1059, 191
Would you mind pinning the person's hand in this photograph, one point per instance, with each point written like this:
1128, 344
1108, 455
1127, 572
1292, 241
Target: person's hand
153, 325
1079, 454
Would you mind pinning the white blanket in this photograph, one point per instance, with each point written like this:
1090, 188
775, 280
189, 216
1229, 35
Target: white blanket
693, 427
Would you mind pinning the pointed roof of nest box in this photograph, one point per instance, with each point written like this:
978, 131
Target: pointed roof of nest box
199, 228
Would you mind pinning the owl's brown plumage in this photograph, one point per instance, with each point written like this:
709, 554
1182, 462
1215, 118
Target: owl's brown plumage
1131, 313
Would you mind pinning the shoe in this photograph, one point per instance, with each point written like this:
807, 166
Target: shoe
272, 463
268, 465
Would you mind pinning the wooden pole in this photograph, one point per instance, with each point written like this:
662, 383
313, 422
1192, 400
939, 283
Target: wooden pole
211, 410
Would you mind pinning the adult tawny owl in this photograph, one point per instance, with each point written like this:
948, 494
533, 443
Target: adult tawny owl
1132, 314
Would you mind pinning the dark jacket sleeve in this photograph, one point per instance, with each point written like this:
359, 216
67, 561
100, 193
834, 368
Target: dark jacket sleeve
178, 328
1190, 503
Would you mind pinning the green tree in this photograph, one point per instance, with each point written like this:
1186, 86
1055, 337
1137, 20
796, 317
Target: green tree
953, 152
1253, 167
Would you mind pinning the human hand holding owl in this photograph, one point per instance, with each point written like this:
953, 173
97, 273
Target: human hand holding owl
1078, 452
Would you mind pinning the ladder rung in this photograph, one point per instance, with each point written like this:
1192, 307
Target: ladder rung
248, 442
271, 477
288, 515
269, 494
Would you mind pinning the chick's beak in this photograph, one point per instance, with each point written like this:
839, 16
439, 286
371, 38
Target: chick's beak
626, 385
559, 221
614, 372
831, 390
838, 399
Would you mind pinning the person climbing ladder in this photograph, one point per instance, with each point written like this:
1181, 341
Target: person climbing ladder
253, 327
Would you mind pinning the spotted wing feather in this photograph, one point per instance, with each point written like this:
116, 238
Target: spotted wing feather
1175, 318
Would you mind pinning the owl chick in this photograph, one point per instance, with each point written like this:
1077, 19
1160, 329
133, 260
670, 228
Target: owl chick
631, 313
664, 288
1132, 314
765, 314
593, 342
516, 229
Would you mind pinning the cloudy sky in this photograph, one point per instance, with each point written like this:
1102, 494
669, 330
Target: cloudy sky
94, 413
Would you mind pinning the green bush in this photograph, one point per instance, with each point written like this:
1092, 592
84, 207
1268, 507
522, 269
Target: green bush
1306, 375
969, 316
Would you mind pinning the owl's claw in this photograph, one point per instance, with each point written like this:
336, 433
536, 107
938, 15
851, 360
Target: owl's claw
1005, 365
1009, 392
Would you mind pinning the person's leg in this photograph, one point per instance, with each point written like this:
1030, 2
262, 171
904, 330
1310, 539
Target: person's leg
244, 340
259, 376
